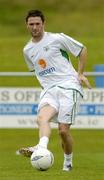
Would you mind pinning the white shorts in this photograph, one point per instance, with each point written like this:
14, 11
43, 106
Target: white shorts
65, 101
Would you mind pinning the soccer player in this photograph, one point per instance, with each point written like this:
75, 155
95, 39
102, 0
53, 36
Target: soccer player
48, 55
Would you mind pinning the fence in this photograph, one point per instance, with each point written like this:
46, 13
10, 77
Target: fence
98, 76
31, 74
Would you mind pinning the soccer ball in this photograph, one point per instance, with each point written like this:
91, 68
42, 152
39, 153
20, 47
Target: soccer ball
42, 159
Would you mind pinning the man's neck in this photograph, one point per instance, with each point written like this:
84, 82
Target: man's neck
37, 39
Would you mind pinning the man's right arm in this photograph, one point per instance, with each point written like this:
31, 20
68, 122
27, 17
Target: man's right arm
29, 63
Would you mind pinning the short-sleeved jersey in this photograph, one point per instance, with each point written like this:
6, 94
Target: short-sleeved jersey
50, 59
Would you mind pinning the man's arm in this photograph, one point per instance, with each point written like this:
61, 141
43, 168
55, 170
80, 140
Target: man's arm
28, 62
81, 67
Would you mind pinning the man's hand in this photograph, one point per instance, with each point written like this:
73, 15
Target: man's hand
84, 80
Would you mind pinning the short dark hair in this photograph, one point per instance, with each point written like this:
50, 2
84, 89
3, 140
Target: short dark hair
35, 13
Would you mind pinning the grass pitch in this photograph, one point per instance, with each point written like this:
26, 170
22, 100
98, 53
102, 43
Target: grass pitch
88, 156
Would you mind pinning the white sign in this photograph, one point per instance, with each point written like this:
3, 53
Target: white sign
18, 108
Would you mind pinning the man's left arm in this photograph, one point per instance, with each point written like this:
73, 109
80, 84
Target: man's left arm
81, 67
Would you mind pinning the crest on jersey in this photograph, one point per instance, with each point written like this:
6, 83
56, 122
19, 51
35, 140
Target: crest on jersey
42, 63
46, 48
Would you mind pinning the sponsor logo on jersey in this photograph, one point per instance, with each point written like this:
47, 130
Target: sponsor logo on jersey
47, 71
42, 63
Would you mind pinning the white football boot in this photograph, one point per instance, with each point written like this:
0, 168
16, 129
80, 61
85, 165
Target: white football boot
67, 167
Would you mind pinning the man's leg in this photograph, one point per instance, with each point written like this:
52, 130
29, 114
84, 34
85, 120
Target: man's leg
67, 145
43, 120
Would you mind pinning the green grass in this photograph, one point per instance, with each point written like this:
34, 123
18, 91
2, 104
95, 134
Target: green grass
88, 155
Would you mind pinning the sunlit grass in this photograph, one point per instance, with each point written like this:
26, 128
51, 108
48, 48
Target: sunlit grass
88, 155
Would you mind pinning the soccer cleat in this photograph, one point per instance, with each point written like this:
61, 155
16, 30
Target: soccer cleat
27, 151
67, 167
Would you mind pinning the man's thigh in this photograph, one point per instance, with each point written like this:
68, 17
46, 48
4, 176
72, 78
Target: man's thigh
47, 112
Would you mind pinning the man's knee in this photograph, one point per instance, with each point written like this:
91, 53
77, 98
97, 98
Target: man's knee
63, 130
40, 119
62, 133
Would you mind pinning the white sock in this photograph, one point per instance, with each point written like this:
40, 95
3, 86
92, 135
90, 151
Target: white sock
44, 141
68, 158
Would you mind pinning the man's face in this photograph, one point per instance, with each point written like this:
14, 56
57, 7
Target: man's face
35, 26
